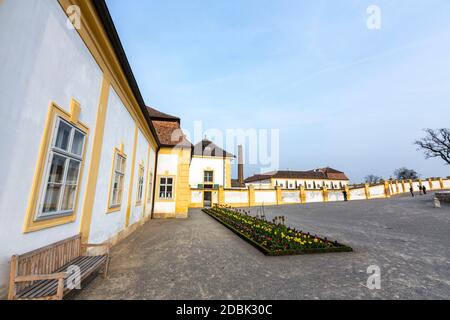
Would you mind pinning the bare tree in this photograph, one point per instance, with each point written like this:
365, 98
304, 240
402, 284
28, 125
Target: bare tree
405, 174
372, 179
436, 144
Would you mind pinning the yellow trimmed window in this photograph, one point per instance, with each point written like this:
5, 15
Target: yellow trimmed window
62, 171
166, 188
208, 176
140, 189
118, 177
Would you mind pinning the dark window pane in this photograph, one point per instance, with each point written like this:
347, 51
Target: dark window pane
63, 136
57, 169
72, 172
78, 141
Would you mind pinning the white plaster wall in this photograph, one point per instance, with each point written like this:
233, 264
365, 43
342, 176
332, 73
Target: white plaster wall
290, 196
335, 196
137, 211
265, 197
167, 165
199, 165
236, 197
196, 197
215, 197
400, 188
314, 196
40, 61
447, 184
436, 185
416, 186
164, 207
308, 183
358, 194
265, 184
377, 191
119, 128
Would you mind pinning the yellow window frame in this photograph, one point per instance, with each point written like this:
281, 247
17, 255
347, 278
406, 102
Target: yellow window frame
32, 224
141, 173
116, 208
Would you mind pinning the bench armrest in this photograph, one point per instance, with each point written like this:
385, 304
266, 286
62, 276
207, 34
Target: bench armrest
39, 277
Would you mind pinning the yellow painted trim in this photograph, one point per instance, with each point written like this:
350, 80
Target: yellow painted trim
367, 190
227, 173
251, 196
130, 188
31, 224
325, 193
183, 195
147, 180
94, 164
279, 195
116, 208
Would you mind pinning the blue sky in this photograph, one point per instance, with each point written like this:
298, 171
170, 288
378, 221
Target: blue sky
341, 95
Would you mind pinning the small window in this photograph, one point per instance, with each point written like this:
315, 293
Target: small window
118, 177
165, 188
140, 190
63, 170
208, 176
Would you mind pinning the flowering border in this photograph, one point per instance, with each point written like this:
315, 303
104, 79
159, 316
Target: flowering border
336, 247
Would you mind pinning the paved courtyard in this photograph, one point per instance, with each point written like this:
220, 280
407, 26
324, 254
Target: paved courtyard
198, 258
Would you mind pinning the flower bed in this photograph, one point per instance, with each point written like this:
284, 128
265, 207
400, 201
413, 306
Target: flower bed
273, 239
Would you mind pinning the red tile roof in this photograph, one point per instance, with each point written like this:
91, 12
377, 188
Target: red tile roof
168, 129
319, 174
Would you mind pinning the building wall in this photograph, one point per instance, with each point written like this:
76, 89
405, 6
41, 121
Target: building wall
43, 61
47, 68
248, 197
309, 183
199, 165
167, 166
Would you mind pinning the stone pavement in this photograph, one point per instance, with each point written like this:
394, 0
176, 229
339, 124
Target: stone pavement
198, 258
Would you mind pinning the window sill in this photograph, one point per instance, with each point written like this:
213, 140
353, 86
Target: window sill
49, 222
114, 209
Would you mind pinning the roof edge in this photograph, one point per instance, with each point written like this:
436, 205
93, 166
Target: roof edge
108, 24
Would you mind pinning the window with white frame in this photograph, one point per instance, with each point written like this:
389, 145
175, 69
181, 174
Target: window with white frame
140, 190
62, 170
115, 200
165, 188
208, 176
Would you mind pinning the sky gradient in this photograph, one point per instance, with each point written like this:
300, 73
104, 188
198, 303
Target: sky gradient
341, 95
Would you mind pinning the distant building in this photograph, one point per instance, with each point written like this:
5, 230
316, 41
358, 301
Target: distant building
210, 169
312, 179
172, 192
210, 166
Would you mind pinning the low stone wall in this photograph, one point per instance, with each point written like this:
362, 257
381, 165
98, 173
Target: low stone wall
249, 197
443, 196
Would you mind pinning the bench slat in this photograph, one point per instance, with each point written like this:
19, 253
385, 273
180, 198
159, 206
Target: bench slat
49, 287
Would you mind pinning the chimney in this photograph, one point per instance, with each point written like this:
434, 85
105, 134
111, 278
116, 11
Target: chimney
240, 165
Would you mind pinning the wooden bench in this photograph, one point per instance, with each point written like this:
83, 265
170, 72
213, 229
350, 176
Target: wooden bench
42, 274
